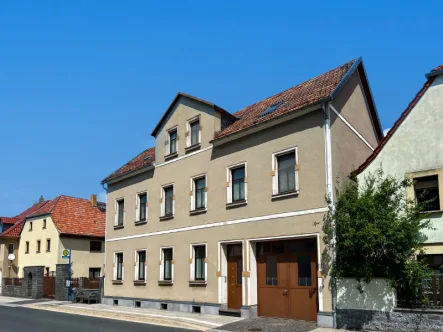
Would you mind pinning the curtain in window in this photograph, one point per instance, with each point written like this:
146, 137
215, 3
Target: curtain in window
119, 266
167, 264
141, 265
195, 129
286, 173
238, 184
169, 193
143, 200
200, 186
200, 255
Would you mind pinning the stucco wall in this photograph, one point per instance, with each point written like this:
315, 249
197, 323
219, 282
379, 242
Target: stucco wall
45, 258
81, 257
417, 146
378, 295
9, 269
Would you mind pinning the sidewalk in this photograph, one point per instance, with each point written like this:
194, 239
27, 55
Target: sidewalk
139, 315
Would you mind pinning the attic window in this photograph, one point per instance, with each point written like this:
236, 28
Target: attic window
271, 109
147, 158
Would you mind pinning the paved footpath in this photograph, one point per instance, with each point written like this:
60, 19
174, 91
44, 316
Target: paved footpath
196, 322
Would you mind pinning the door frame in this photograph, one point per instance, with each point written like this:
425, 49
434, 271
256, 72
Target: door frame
222, 272
252, 264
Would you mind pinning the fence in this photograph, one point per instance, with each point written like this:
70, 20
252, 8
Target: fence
429, 295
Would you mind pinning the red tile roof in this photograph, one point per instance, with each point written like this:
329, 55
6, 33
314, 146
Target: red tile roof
296, 98
310, 93
144, 159
76, 216
15, 230
398, 123
24, 214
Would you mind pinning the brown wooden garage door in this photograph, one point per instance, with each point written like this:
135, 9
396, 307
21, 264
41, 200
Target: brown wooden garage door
287, 279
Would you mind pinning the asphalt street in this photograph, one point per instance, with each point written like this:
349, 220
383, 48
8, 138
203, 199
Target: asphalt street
18, 319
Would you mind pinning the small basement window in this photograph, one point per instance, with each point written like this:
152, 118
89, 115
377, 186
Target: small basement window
163, 306
196, 309
115, 302
137, 304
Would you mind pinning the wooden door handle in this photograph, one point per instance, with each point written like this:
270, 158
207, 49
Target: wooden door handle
285, 292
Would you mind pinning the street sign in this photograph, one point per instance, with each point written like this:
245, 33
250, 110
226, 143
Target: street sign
66, 254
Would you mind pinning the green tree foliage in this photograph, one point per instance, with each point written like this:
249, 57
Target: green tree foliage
378, 232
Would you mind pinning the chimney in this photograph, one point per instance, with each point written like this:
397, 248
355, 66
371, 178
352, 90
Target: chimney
41, 199
94, 200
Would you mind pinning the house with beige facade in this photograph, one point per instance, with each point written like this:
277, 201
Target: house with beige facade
10, 239
52, 226
224, 214
413, 148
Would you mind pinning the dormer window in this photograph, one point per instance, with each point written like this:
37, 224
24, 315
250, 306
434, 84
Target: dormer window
172, 142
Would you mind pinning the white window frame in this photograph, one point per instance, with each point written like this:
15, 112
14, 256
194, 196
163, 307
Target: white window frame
115, 266
162, 270
275, 189
229, 170
192, 261
163, 199
188, 131
193, 188
137, 206
116, 211
168, 146
137, 262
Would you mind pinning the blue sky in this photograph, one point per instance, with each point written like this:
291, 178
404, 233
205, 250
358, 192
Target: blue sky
83, 83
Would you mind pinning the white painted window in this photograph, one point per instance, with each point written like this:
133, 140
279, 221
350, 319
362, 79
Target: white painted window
199, 265
168, 200
199, 193
237, 183
285, 172
140, 265
167, 264
141, 213
119, 212
193, 132
172, 142
119, 269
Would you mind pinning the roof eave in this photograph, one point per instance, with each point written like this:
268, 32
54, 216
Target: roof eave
128, 174
269, 123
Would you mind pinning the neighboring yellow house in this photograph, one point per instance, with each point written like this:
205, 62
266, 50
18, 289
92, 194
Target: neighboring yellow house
65, 223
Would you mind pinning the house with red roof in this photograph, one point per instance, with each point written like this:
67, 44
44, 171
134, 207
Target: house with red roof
10, 237
413, 148
224, 214
41, 234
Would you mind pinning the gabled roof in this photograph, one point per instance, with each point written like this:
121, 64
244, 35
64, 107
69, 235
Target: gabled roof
177, 97
312, 92
143, 160
430, 79
75, 216
15, 230
28, 211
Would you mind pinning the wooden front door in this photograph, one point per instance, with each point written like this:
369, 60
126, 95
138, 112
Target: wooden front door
287, 279
49, 287
235, 280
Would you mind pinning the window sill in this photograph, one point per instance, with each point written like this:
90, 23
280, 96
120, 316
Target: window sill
139, 282
166, 217
171, 156
117, 282
236, 204
119, 226
198, 211
140, 222
285, 195
432, 211
193, 147
165, 282
198, 283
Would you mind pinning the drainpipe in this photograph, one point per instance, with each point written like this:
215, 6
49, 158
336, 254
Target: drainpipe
330, 193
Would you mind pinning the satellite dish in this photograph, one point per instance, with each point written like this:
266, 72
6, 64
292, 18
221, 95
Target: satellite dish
11, 257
